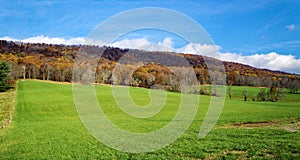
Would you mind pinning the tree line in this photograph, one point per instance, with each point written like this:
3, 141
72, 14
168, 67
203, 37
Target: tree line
56, 62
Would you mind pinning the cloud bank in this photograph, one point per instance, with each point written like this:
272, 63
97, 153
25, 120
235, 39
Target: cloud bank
44, 39
272, 60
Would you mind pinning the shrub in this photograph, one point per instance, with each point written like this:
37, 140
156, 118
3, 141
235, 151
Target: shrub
4, 76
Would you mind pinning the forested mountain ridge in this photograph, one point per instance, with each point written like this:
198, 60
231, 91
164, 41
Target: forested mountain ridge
55, 62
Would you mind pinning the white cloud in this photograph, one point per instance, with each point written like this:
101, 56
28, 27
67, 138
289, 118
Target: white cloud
43, 39
168, 42
76, 41
56, 40
48, 40
132, 43
272, 60
9, 38
291, 27
200, 49
145, 44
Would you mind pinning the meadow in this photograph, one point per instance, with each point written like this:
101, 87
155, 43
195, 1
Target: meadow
46, 126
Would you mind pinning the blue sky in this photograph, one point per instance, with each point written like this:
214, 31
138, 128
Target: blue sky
240, 28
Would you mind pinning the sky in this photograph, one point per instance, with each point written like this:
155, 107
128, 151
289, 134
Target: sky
260, 33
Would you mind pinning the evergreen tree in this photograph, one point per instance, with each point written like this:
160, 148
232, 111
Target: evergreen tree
4, 71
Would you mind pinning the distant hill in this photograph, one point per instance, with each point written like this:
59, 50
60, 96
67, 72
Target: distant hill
55, 62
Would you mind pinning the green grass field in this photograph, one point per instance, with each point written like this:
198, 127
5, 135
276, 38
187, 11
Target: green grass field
46, 126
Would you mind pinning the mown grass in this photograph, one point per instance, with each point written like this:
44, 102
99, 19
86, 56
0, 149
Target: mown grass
46, 126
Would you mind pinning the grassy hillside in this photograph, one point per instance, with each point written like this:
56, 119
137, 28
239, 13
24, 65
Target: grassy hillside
46, 125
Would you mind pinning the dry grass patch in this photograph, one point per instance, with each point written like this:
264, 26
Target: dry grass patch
291, 125
7, 105
238, 153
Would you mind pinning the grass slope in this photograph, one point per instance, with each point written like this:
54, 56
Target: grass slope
46, 126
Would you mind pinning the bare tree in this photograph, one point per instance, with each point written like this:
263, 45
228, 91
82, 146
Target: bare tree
245, 93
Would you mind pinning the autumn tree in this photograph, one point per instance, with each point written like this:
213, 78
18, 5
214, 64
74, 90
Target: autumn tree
273, 93
261, 96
